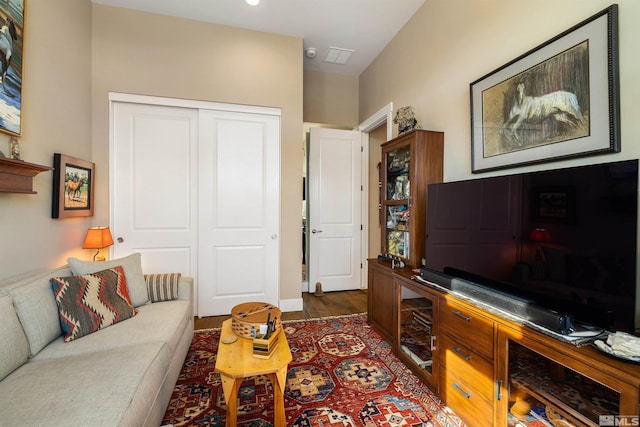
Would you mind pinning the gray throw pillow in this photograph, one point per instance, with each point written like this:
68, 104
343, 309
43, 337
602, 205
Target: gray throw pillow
132, 266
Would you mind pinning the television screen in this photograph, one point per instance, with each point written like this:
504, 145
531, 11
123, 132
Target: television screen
564, 238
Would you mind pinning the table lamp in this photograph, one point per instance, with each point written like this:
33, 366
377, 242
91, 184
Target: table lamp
540, 235
97, 238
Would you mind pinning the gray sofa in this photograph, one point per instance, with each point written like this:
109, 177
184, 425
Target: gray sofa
121, 375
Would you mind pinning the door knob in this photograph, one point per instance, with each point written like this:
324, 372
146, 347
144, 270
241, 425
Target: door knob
314, 231
120, 240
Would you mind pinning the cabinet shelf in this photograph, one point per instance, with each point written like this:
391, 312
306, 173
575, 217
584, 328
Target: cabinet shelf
397, 202
416, 329
16, 176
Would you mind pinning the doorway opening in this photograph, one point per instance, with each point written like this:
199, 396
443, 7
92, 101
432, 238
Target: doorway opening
305, 189
377, 129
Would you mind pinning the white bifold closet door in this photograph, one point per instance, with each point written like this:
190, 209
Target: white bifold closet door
195, 188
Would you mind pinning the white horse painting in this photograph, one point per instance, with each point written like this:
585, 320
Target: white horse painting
7, 35
560, 106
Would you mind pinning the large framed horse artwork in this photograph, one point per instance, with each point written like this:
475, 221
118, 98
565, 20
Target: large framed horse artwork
12, 19
559, 100
73, 184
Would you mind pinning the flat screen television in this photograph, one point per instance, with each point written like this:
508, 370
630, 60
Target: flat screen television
565, 239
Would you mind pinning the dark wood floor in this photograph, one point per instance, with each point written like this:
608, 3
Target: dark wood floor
330, 304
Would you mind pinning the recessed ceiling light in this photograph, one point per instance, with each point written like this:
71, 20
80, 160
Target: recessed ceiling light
252, 2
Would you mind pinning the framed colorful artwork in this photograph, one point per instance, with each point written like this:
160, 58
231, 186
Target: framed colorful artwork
73, 186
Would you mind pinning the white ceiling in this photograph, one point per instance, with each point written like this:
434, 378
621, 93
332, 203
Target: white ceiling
365, 26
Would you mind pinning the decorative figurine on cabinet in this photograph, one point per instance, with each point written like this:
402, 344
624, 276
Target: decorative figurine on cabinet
405, 119
14, 148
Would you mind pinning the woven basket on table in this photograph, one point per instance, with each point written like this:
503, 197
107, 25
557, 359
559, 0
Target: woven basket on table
244, 316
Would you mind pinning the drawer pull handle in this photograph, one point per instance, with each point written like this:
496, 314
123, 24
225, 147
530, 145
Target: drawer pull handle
462, 316
461, 391
460, 353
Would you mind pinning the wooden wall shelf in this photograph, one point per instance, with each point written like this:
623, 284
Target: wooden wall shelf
16, 176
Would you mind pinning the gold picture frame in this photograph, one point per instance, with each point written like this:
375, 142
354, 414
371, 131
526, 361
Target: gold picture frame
12, 31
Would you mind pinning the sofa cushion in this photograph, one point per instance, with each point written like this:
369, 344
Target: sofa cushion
112, 387
38, 313
132, 270
149, 325
91, 302
35, 304
14, 348
162, 287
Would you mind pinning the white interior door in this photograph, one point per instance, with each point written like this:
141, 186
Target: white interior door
334, 209
154, 185
239, 227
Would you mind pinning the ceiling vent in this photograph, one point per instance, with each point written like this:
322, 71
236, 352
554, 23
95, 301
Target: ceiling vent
338, 55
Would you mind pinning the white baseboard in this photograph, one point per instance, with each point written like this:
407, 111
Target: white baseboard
305, 286
295, 304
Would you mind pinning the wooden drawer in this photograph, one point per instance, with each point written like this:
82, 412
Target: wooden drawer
465, 402
466, 366
467, 389
469, 327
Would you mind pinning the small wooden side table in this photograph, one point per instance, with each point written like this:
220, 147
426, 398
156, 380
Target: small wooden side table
235, 362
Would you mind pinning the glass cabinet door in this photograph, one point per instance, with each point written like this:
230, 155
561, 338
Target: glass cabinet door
541, 390
397, 201
416, 338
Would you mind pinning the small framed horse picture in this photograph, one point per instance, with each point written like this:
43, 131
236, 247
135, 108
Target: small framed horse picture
73, 184
12, 17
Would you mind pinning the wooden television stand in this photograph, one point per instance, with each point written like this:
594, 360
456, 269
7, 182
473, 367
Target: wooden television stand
481, 362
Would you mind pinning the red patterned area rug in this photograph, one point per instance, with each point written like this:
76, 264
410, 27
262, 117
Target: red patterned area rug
343, 374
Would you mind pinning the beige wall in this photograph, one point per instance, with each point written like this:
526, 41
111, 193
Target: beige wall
448, 45
56, 117
142, 53
331, 98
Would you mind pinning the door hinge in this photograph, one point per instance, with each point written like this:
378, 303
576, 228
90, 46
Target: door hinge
362, 148
360, 266
361, 228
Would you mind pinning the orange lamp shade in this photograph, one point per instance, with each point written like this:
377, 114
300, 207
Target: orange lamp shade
97, 238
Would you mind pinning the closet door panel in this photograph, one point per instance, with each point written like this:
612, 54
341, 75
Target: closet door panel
154, 186
239, 210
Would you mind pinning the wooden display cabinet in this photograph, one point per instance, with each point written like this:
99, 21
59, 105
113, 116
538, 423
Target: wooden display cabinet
410, 163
